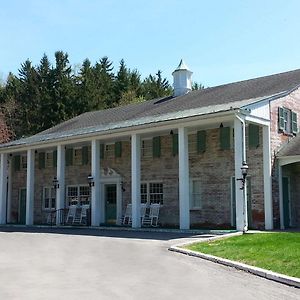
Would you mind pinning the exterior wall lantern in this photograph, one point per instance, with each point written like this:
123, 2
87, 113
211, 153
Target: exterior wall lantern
91, 180
244, 169
55, 183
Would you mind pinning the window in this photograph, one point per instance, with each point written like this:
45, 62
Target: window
109, 150
195, 199
287, 120
147, 148
49, 198
78, 194
152, 192
49, 159
23, 162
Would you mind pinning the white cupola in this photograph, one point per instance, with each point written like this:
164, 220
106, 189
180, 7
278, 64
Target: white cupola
182, 79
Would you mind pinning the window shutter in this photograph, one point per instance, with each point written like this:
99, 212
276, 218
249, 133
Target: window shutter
280, 118
294, 122
54, 158
101, 151
201, 141
253, 132
175, 144
69, 157
42, 164
156, 146
17, 163
85, 155
224, 138
118, 149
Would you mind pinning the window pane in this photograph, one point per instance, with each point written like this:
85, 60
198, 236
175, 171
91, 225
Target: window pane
143, 193
156, 193
53, 203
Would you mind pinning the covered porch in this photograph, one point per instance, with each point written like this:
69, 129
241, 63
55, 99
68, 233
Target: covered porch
187, 166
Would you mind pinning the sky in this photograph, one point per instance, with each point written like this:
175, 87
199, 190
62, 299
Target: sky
221, 41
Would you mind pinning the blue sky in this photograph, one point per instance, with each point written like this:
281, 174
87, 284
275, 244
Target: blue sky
221, 41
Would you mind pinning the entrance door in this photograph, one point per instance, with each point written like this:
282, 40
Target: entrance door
110, 203
286, 201
22, 206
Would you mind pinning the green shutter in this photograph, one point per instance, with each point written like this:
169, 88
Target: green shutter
42, 163
17, 163
54, 161
281, 118
294, 122
253, 132
69, 157
175, 144
118, 149
224, 138
156, 146
201, 141
101, 151
85, 155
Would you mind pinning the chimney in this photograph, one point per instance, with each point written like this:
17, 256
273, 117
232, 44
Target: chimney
182, 79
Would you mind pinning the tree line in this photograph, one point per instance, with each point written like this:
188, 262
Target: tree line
42, 96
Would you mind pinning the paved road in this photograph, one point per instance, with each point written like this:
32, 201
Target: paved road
98, 264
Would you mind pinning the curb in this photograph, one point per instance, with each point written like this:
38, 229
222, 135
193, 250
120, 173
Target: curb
288, 280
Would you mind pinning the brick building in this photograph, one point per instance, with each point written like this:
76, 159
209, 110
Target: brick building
186, 152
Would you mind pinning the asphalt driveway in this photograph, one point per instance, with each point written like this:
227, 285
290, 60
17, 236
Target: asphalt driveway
112, 264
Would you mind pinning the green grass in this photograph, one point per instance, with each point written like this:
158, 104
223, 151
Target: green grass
278, 252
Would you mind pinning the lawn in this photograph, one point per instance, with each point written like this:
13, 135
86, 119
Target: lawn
278, 252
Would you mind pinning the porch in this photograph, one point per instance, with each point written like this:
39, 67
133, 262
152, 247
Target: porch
189, 170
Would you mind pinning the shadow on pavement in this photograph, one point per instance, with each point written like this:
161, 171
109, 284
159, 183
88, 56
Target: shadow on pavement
112, 232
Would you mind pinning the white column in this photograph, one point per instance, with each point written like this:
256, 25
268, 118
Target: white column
238, 159
60, 191
267, 178
95, 172
184, 179
3, 188
280, 197
136, 180
9, 191
30, 187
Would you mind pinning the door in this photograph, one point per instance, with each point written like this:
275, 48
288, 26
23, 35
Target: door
249, 203
110, 203
22, 206
286, 201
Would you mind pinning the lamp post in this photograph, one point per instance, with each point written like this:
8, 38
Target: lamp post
244, 170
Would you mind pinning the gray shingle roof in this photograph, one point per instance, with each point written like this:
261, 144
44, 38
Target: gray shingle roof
292, 148
238, 91
219, 98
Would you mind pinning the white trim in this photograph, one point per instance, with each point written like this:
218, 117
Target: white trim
184, 181
286, 160
257, 120
268, 202
30, 187
3, 188
43, 200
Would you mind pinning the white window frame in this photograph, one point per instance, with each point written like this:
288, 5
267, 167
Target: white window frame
146, 148
193, 194
148, 183
79, 198
52, 197
287, 116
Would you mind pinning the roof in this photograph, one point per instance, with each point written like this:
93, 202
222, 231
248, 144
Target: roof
292, 148
209, 100
182, 66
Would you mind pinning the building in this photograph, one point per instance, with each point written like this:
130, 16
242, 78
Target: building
184, 152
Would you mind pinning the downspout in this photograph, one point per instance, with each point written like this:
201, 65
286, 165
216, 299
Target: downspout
244, 159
